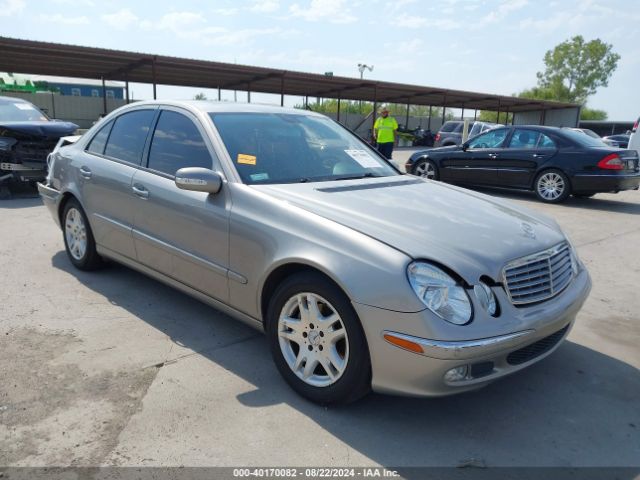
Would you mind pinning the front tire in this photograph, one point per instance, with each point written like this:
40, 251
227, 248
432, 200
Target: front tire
426, 169
552, 186
78, 237
317, 341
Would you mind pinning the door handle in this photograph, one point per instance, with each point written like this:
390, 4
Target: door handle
85, 172
493, 155
140, 191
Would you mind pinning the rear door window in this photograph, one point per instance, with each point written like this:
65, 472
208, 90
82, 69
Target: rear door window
449, 127
129, 135
99, 140
176, 144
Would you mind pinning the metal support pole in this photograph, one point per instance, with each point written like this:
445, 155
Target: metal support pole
462, 114
338, 118
248, 92
375, 106
104, 97
282, 91
153, 75
429, 123
126, 89
306, 102
444, 109
498, 117
406, 123
475, 114
219, 94
53, 105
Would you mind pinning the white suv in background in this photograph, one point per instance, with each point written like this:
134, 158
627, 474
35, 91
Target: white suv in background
634, 141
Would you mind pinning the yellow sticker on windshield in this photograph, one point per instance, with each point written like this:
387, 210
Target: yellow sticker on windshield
246, 159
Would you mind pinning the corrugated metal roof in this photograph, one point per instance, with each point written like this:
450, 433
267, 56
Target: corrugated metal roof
45, 58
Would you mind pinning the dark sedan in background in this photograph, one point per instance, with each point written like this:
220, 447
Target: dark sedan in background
27, 136
553, 162
622, 139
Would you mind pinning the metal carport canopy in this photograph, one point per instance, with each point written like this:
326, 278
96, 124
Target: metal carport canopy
45, 58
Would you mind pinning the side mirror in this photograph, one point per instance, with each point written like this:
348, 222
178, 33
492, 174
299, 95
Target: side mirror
465, 146
198, 179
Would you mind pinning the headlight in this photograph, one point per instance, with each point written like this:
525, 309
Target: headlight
440, 292
6, 143
486, 298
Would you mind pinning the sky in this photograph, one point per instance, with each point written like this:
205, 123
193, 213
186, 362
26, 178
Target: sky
492, 46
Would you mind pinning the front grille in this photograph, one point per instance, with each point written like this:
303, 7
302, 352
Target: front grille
540, 276
536, 349
33, 151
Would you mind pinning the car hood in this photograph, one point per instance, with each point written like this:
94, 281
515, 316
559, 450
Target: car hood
53, 129
471, 233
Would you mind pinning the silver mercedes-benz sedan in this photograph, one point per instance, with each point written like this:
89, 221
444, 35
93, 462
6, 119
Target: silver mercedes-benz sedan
362, 277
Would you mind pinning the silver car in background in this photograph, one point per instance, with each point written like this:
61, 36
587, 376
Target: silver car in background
361, 277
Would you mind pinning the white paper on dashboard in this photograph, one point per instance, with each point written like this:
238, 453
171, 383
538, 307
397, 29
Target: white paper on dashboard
363, 158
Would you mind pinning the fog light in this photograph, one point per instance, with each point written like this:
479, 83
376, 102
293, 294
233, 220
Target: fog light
456, 374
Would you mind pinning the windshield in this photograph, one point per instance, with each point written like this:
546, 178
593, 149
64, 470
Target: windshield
584, 140
289, 148
12, 111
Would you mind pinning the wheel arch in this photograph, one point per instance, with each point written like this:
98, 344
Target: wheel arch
276, 276
66, 196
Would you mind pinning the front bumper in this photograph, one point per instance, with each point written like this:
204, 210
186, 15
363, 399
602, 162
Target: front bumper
18, 172
399, 371
594, 183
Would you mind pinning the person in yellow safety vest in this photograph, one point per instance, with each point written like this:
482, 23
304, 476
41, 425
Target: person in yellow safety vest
384, 132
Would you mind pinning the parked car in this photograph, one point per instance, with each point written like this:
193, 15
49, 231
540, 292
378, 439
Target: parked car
592, 134
450, 133
621, 140
27, 136
361, 277
553, 162
634, 139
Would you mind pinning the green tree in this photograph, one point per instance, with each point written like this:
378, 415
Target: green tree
200, 96
575, 69
592, 114
489, 116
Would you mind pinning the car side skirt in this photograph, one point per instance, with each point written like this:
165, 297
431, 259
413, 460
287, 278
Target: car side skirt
223, 307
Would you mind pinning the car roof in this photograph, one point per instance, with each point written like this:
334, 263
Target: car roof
208, 106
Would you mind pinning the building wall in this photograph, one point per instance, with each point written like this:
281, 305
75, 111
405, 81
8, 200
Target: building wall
563, 117
83, 111
87, 90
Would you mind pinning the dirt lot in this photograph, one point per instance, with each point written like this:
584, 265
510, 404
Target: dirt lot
115, 368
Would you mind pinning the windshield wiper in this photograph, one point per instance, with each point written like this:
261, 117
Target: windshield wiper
356, 177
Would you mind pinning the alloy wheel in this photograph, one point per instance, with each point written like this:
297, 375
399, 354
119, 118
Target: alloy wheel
76, 233
313, 339
426, 170
551, 186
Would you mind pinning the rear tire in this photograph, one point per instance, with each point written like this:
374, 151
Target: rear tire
426, 169
78, 237
552, 186
317, 341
